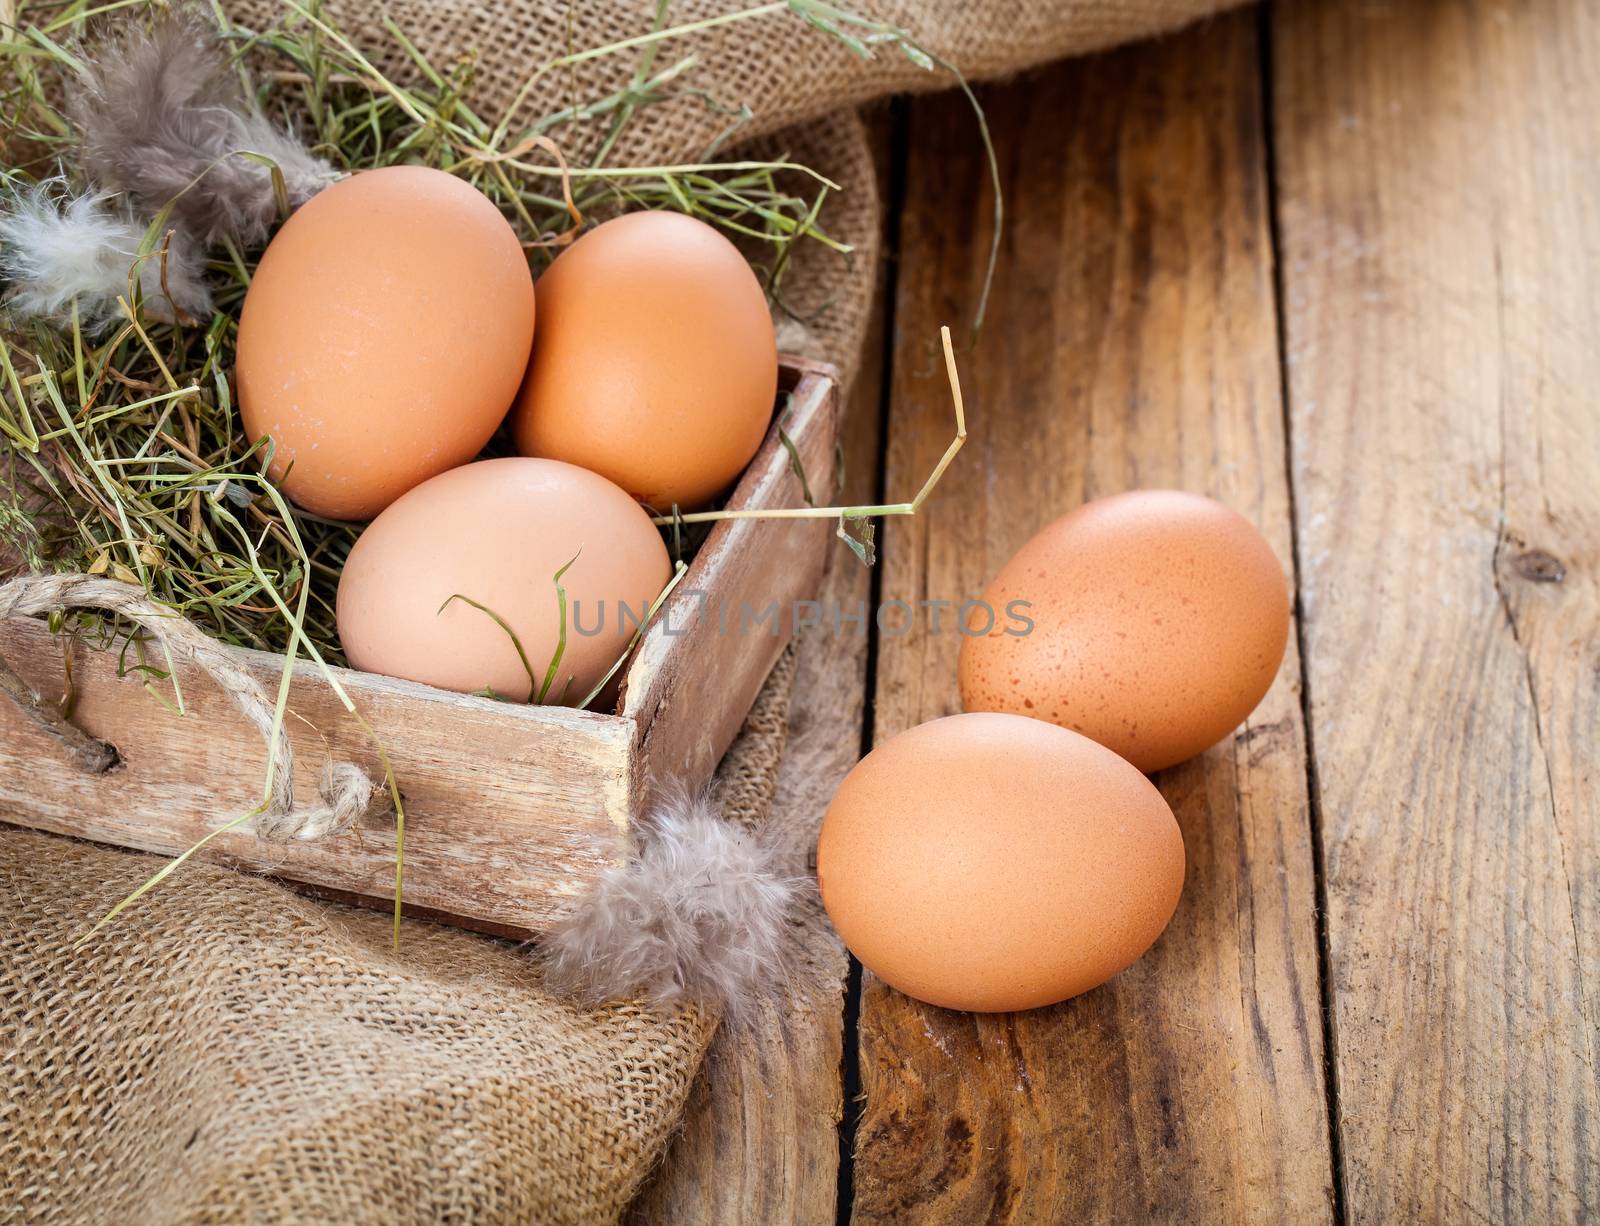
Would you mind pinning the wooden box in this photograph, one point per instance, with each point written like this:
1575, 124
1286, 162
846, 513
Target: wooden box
511, 810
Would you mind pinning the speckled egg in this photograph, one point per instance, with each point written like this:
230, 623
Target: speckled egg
383, 337
655, 363
494, 534
1158, 621
993, 863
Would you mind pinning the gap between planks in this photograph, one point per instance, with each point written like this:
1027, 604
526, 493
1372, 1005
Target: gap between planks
1330, 1038
891, 143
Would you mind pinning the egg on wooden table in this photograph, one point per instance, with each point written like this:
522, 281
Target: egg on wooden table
991, 862
1159, 619
655, 363
494, 534
383, 337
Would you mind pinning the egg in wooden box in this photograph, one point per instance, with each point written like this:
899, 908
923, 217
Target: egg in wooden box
655, 363
1153, 622
991, 862
496, 575
383, 337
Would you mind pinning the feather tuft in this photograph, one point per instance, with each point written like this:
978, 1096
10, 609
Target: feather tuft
163, 119
700, 916
56, 247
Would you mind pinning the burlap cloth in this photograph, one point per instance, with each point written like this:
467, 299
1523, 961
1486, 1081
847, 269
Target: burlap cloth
231, 1051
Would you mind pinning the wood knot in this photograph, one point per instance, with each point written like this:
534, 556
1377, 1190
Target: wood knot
1537, 566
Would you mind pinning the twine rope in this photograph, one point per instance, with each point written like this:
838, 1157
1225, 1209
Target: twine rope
345, 789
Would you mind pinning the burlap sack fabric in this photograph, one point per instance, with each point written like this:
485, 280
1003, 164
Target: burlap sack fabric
231, 1051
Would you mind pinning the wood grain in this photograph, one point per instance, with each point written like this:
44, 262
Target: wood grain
512, 811
1132, 342
1441, 249
520, 786
760, 1139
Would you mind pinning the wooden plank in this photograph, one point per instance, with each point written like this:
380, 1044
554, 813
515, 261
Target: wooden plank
760, 1140
1441, 252
1132, 342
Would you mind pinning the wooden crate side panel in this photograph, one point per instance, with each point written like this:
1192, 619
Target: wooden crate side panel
511, 812
700, 668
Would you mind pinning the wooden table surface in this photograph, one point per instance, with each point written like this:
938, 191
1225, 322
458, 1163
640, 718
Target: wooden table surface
1336, 263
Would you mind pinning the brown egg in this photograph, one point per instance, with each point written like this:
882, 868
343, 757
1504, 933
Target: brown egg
655, 363
1159, 619
993, 863
496, 532
383, 337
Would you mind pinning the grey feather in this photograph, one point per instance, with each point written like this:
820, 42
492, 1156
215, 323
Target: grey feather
56, 247
163, 119
702, 915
